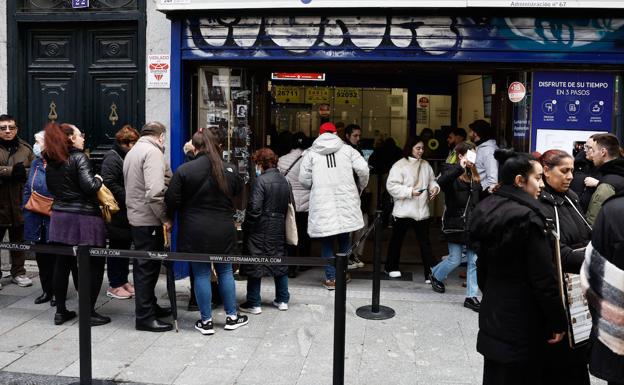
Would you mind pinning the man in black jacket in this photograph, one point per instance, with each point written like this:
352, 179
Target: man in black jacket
606, 156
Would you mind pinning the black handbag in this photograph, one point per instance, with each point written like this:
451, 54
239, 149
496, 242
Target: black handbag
456, 225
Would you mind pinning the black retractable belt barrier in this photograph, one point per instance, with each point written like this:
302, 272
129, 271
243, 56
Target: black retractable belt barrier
376, 311
85, 253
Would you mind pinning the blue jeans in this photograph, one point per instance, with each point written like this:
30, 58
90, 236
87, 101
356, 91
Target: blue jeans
327, 251
281, 290
203, 290
442, 269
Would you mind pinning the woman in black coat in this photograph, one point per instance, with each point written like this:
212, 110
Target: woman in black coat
119, 235
521, 311
603, 271
564, 364
462, 186
265, 231
201, 192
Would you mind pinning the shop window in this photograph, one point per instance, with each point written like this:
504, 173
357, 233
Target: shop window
224, 107
66, 5
380, 112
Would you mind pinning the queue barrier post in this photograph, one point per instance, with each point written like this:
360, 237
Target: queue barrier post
340, 306
375, 311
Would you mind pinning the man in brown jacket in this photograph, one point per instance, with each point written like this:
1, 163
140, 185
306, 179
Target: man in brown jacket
146, 175
15, 158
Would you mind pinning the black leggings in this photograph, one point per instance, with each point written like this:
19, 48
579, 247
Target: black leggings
65, 264
400, 227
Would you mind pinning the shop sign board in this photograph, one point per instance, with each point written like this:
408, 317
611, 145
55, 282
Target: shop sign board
289, 94
324, 110
158, 71
516, 92
171, 5
302, 76
320, 95
347, 96
423, 102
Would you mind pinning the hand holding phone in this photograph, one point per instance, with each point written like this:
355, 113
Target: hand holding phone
471, 156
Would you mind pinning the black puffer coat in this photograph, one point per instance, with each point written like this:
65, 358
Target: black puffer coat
74, 185
112, 173
521, 307
456, 194
575, 231
608, 240
265, 225
205, 214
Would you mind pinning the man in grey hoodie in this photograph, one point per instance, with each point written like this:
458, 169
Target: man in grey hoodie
482, 134
146, 175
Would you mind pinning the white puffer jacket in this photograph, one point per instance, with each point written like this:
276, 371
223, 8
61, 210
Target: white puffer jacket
300, 193
402, 180
329, 168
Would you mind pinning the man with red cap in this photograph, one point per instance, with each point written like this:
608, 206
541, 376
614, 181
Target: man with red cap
336, 173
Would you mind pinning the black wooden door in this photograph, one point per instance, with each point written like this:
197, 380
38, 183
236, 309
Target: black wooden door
83, 74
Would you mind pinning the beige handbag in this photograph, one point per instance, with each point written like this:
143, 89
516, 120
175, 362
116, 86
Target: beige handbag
292, 238
38, 203
108, 204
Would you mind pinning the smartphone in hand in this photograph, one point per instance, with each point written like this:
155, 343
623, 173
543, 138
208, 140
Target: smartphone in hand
471, 156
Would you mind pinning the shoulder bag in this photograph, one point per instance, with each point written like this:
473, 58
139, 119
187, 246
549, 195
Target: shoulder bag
38, 203
572, 296
108, 204
456, 225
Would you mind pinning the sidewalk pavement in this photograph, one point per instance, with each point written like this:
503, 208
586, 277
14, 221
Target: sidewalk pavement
431, 340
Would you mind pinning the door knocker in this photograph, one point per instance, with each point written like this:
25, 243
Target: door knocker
113, 117
52, 115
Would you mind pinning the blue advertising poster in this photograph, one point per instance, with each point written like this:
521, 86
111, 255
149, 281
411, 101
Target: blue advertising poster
572, 101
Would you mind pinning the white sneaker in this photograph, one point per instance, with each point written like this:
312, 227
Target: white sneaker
247, 308
394, 274
283, 306
352, 265
22, 281
358, 261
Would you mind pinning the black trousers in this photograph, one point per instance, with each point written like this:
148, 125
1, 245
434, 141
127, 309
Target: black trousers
521, 373
66, 264
145, 272
46, 263
118, 268
399, 229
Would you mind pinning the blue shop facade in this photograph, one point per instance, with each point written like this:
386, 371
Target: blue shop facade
542, 77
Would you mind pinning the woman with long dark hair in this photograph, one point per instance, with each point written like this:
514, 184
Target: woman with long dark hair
76, 218
412, 184
521, 311
201, 192
565, 365
462, 186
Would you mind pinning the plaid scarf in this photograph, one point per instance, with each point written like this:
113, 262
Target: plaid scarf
603, 284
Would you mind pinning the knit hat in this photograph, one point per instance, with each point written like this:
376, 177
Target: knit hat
327, 127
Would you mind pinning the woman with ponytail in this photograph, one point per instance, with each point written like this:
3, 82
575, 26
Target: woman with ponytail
521, 312
201, 193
